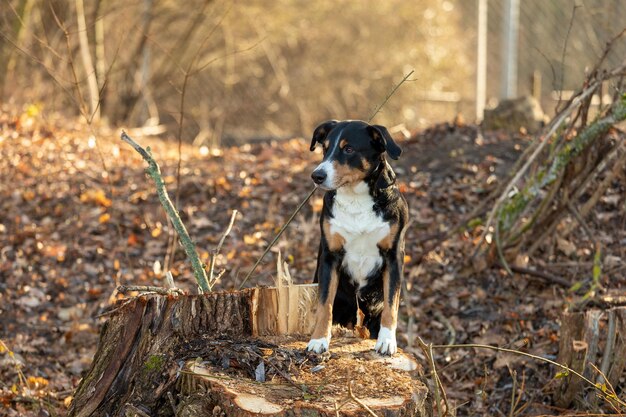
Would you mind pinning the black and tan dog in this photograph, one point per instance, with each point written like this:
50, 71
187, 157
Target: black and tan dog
361, 253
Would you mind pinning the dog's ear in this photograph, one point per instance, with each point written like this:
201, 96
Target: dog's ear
383, 141
321, 132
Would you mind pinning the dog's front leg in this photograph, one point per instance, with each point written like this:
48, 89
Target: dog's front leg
392, 281
328, 279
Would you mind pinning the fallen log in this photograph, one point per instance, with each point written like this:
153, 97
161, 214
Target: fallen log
222, 353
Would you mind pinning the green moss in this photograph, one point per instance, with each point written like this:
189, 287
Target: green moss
551, 169
154, 363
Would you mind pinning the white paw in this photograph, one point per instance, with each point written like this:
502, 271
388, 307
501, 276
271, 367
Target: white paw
386, 343
318, 345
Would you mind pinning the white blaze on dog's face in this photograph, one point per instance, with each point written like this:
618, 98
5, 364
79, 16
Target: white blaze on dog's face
351, 150
326, 170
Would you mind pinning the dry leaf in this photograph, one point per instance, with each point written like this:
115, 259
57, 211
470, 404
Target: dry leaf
565, 246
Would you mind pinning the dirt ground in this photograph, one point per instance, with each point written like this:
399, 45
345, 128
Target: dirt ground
79, 217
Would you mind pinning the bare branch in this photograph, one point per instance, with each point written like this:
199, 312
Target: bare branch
154, 172
391, 93
278, 235
148, 289
212, 278
564, 52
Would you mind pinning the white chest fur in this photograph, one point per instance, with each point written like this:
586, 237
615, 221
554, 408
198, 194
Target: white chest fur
354, 219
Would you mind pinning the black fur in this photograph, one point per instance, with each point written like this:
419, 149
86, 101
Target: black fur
370, 143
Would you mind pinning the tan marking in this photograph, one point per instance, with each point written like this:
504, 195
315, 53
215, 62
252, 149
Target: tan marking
389, 317
366, 164
324, 314
334, 240
387, 241
343, 143
347, 175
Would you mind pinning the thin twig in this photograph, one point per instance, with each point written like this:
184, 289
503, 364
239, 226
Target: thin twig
440, 392
280, 232
116, 309
227, 232
81, 103
444, 320
498, 240
359, 402
293, 215
513, 374
75, 97
148, 288
607, 49
607, 383
581, 221
545, 276
187, 73
521, 389
608, 397
391, 93
564, 52
212, 278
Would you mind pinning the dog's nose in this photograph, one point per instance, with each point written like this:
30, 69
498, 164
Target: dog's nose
318, 176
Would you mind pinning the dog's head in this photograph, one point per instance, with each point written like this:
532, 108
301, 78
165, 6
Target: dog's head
353, 150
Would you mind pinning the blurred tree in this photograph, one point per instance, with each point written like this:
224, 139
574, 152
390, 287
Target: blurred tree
260, 68
15, 17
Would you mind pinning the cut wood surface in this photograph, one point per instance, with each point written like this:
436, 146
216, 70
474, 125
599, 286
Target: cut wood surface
195, 355
305, 384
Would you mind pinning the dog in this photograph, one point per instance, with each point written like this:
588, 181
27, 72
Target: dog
363, 222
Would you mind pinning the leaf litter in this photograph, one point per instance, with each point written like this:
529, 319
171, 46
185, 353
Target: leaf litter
79, 217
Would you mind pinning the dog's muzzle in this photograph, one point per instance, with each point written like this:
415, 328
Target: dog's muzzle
324, 176
319, 176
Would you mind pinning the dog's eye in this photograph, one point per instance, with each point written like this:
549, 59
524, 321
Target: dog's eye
348, 149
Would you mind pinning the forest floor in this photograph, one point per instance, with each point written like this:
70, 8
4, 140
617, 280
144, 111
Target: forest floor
79, 217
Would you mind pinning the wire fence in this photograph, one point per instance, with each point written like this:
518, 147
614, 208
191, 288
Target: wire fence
543, 48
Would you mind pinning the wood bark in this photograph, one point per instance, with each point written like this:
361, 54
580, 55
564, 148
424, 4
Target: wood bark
136, 360
196, 355
582, 334
617, 358
574, 384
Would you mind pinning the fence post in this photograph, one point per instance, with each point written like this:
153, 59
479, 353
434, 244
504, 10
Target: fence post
481, 62
509, 52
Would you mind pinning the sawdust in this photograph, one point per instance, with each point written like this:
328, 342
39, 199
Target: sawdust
320, 381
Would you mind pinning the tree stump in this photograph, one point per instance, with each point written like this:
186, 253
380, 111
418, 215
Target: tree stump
594, 336
219, 354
